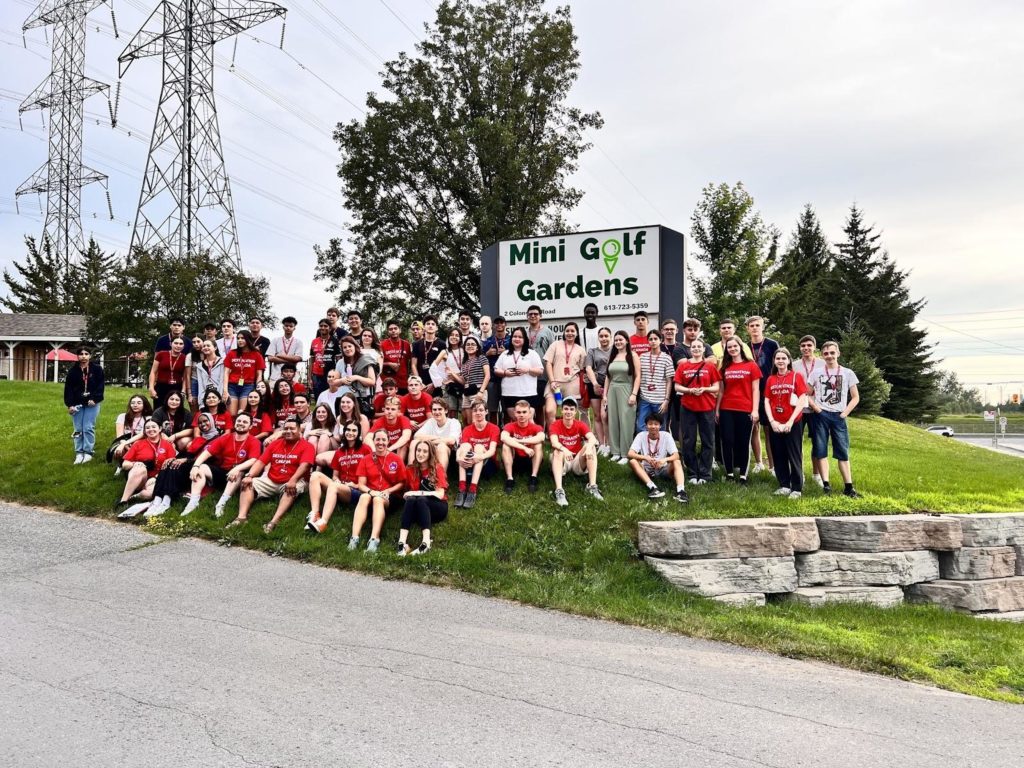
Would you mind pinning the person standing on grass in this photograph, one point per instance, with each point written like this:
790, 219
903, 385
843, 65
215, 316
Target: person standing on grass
226, 342
287, 462
835, 397
396, 355
540, 337
589, 333
222, 463
381, 477
476, 455
620, 396
563, 365
763, 354
243, 366
284, 349
519, 369
426, 499
639, 342
697, 382
737, 410
656, 371
653, 454
522, 447
495, 343
810, 367
83, 393
573, 449
596, 365
177, 331
669, 345
785, 395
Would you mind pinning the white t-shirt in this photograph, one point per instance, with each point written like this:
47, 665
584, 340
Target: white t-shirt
451, 429
523, 385
809, 373
832, 390
330, 399
588, 337
662, 449
283, 346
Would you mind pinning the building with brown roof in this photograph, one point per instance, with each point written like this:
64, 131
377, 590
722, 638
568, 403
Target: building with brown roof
26, 340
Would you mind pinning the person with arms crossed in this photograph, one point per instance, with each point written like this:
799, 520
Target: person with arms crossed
652, 455
522, 447
835, 397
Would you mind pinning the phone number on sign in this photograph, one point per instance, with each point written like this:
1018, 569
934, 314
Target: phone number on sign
613, 307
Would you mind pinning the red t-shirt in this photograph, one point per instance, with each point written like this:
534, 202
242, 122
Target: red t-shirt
397, 351
481, 439
261, 424
298, 388
394, 430
691, 374
412, 479
378, 401
346, 462
229, 452
245, 367
639, 344
572, 437
170, 369
380, 473
777, 391
222, 420
532, 428
417, 409
282, 413
738, 380
283, 458
316, 364
145, 451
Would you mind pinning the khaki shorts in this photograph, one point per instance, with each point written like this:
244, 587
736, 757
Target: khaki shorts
576, 465
265, 488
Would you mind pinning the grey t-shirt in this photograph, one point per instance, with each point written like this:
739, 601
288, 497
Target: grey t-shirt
832, 389
540, 341
597, 359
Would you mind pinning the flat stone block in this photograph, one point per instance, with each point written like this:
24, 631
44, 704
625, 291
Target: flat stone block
741, 599
1002, 595
991, 529
1019, 551
803, 530
724, 576
889, 533
884, 597
1009, 616
978, 563
716, 538
862, 569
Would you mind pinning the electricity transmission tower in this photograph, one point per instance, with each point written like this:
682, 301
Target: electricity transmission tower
185, 205
63, 92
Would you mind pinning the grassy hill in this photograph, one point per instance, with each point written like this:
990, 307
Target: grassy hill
583, 559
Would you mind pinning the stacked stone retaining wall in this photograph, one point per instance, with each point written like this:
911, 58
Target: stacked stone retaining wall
968, 563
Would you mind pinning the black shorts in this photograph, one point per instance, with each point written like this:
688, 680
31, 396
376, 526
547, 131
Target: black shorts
535, 401
220, 476
590, 391
521, 465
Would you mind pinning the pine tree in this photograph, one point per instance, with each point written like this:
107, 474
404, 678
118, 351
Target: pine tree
855, 354
804, 269
41, 284
91, 280
867, 285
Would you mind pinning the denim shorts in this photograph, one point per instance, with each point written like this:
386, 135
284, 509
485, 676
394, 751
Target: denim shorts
827, 424
240, 391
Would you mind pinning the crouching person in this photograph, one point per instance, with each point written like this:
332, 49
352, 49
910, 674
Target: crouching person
287, 462
653, 454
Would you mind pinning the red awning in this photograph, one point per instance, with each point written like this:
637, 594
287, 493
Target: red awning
63, 355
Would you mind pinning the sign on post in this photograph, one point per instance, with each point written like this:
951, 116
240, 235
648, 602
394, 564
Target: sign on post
989, 415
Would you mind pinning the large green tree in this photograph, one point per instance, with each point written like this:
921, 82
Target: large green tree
803, 272
41, 284
734, 244
473, 142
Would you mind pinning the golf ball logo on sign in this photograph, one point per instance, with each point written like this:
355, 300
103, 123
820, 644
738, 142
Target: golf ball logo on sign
616, 269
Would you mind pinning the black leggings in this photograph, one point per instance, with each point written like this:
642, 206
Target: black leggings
735, 428
173, 481
788, 454
424, 511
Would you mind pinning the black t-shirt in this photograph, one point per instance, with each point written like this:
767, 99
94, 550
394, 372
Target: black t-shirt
262, 343
682, 352
764, 355
425, 356
182, 418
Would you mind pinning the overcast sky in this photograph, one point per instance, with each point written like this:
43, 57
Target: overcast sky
913, 110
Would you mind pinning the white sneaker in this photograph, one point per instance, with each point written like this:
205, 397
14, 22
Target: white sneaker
623, 461
759, 467
134, 510
118, 471
819, 481
783, 492
86, 458
218, 511
795, 495
605, 450
192, 506
156, 508
614, 457
79, 457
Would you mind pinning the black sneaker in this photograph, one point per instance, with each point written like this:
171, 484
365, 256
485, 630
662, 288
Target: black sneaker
460, 498
510, 486
655, 493
681, 497
852, 493
532, 485
470, 501
742, 480
826, 489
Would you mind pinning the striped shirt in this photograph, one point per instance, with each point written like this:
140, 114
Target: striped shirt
655, 377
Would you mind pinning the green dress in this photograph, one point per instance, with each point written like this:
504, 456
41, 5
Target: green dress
621, 415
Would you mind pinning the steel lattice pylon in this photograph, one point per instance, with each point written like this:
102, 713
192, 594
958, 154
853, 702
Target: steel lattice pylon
63, 92
185, 206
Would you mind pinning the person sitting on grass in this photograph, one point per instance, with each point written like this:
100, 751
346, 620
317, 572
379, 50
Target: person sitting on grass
441, 432
475, 457
128, 429
573, 449
287, 462
416, 404
389, 388
343, 482
522, 447
653, 454
320, 431
398, 427
222, 464
175, 420
381, 476
143, 463
426, 500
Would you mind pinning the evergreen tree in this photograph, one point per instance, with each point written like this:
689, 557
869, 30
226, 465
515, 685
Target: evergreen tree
91, 280
855, 353
803, 271
40, 285
867, 285
732, 242
473, 143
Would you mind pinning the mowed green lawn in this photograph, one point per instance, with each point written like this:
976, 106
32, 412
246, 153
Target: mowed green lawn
583, 559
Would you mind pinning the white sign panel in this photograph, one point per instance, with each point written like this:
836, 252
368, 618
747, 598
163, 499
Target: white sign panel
618, 270
989, 415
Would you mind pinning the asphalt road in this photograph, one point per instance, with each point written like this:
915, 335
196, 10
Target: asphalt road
182, 653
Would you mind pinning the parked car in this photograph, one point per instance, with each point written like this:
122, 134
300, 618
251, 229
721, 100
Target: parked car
940, 429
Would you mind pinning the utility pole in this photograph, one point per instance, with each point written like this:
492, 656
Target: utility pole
63, 92
185, 205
